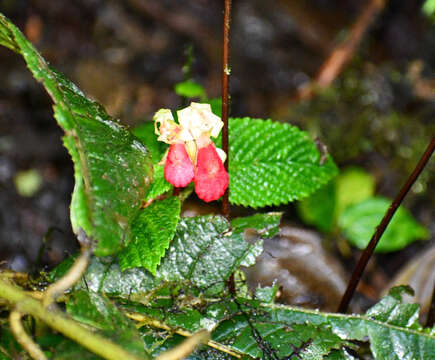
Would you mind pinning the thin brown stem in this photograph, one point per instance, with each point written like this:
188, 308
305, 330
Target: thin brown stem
225, 79
366, 255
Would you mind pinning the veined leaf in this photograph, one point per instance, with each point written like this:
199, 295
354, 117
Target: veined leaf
358, 222
259, 330
112, 167
205, 251
272, 163
152, 231
100, 313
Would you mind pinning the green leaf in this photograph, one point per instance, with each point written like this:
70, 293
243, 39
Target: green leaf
266, 294
69, 350
272, 163
189, 89
318, 209
260, 330
216, 106
267, 225
100, 313
112, 167
152, 231
205, 251
354, 185
358, 223
160, 185
145, 133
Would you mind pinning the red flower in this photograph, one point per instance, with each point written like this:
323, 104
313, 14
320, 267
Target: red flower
178, 167
211, 178
192, 155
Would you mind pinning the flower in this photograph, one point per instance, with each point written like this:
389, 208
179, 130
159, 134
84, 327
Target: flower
192, 155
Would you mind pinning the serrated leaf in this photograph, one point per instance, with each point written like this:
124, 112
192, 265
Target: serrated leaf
160, 185
272, 163
152, 232
112, 167
358, 223
100, 313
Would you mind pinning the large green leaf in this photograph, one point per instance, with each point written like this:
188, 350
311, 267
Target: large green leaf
272, 163
358, 222
153, 230
205, 251
270, 331
112, 167
100, 313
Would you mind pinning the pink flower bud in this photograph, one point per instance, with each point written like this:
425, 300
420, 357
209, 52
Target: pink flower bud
179, 170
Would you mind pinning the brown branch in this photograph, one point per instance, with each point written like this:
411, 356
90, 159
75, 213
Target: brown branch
359, 269
225, 78
342, 53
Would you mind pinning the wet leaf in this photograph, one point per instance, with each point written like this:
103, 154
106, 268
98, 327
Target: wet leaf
112, 167
99, 312
267, 225
205, 251
260, 330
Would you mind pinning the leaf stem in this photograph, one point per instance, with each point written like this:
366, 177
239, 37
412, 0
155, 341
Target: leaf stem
368, 252
186, 347
57, 320
23, 338
225, 79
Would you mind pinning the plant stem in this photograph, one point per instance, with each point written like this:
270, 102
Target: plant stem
23, 338
186, 347
368, 252
25, 304
225, 78
146, 320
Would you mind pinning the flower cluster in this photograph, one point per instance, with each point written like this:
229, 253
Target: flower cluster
192, 155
